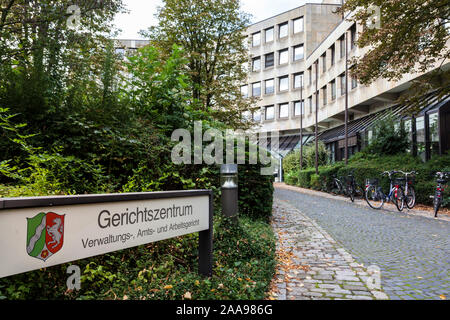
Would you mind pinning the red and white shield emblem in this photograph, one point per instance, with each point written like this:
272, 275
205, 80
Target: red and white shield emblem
54, 237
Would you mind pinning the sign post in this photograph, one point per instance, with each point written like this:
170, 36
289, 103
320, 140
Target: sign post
41, 232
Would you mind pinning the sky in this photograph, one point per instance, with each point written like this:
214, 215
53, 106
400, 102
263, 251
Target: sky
141, 13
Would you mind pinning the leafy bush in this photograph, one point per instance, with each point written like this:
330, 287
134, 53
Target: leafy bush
292, 161
244, 264
291, 178
310, 155
389, 138
304, 178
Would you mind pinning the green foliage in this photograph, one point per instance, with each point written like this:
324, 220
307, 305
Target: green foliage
98, 124
255, 192
244, 264
292, 161
364, 166
412, 36
210, 31
291, 177
304, 177
389, 138
310, 155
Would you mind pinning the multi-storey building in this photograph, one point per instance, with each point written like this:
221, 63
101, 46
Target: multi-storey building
298, 64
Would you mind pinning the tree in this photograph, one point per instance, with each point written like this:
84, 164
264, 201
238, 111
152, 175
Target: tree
413, 35
211, 34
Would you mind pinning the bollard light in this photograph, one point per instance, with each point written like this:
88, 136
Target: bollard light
229, 186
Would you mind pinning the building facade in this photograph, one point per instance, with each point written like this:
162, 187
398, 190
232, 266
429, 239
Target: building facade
298, 70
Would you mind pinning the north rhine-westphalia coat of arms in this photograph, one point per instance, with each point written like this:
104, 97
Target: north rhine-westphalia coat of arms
45, 235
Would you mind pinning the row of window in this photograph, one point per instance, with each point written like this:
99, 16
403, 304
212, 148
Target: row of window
331, 86
332, 53
298, 53
282, 112
269, 85
297, 82
283, 31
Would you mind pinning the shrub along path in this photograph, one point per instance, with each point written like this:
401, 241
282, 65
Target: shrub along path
412, 251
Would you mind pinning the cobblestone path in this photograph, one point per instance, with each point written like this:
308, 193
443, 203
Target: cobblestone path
413, 252
313, 265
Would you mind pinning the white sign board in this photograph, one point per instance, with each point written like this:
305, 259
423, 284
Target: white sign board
35, 238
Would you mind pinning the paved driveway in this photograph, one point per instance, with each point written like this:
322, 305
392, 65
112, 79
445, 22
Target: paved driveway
413, 252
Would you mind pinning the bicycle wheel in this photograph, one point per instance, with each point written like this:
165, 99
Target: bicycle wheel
374, 197
410, 197
437, 205
399, 199
351, 193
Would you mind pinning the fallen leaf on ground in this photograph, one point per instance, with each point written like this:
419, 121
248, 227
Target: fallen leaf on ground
188, 295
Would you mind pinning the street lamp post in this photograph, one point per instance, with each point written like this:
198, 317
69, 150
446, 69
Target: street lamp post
301, 123
317, 115
229, 186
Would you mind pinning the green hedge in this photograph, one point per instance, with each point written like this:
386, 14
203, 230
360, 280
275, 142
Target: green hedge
255, 192
364, 166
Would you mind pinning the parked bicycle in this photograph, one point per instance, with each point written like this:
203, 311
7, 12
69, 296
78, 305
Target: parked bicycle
375, 197
347, 186
410, 192
338, 186
441, 179
354, 190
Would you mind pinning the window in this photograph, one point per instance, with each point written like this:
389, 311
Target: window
310, 104
244, 91
354, 82
256, 89
353, 36
333, 90
299, 52
284, 110
310, 75
298, 80
269, 34
283, 56
433, 124
284, 83
420, 129
342, 47
269, 86
324, 63
269, 60
256, 39
256, 64
270, 113
299, 108
333, 54
283, 30
298, 25
342, 79
324, 94
257, 116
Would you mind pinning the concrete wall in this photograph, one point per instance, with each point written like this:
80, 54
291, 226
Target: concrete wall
318, 21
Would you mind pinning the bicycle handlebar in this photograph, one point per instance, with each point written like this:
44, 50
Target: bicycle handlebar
389, 173
408, 173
